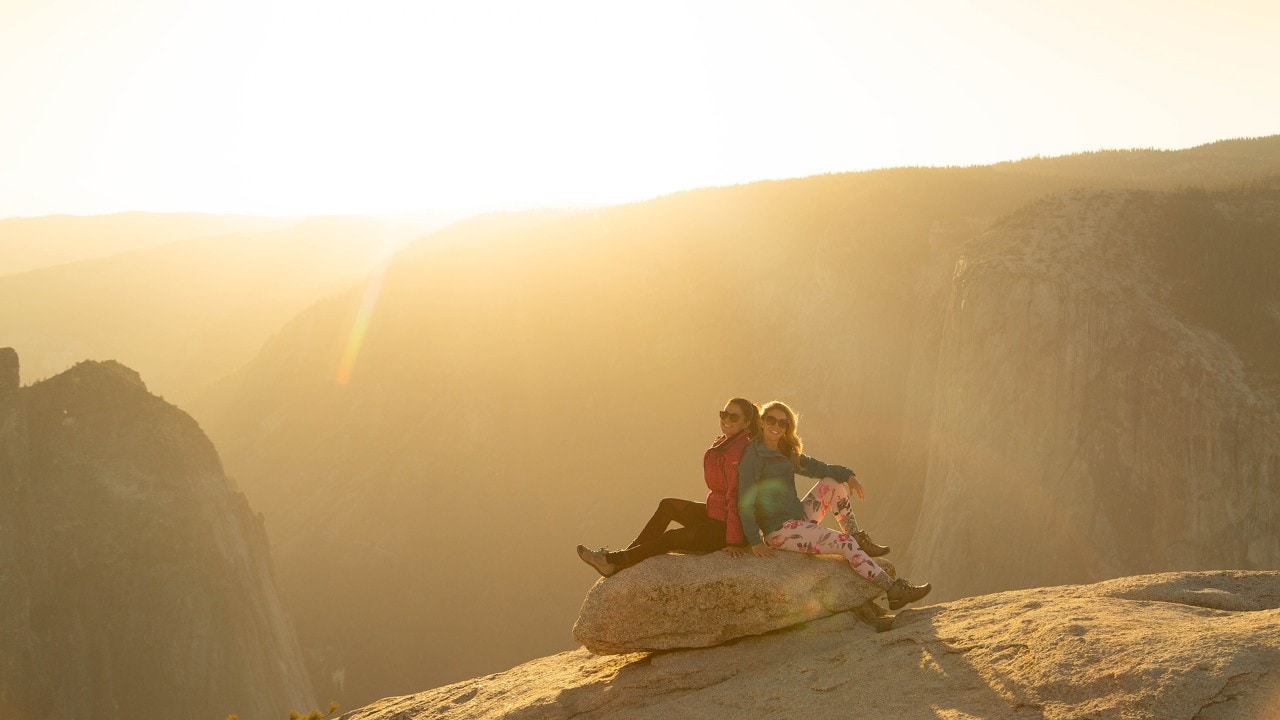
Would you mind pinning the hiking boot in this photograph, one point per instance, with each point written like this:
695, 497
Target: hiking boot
873, 615
595, 558
903, 592
869, 546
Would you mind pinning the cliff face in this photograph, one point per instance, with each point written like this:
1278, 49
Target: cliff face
1104, 401
134, 582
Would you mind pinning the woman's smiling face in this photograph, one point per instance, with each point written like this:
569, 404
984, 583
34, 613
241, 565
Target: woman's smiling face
732, 419
776, 423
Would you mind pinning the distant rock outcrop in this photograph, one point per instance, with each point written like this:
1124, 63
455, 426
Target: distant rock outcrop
134, 582
692, 601
1175, 645
1106, 398
9, 376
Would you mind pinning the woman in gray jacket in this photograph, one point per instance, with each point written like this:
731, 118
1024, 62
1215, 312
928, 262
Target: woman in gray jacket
768, 504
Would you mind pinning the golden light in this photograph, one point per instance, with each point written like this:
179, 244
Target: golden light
293, 107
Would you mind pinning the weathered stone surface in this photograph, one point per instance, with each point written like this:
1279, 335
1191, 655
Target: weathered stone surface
690, 601
1174, 645
1095, 416
134, 581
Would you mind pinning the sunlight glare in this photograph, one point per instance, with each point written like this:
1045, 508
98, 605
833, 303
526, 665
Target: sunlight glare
289, 107
360, 327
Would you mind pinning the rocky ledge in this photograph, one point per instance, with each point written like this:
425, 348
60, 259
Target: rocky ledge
1202, 645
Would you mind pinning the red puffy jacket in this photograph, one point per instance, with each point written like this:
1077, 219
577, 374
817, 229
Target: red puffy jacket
720, 470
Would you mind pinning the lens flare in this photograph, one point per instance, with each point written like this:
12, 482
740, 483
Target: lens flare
360, 327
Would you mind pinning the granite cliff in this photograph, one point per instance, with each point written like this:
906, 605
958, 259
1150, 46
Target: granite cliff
134, 581
1106, 393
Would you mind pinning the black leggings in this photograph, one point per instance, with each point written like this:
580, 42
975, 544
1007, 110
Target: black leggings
700, 533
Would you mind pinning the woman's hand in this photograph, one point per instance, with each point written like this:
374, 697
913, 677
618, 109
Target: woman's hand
735, 551
856, 486
762, 550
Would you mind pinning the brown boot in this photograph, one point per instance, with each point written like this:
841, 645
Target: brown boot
903, 592
873, 615
869, 546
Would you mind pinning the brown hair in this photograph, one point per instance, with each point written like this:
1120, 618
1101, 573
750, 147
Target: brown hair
790, 445
752, 413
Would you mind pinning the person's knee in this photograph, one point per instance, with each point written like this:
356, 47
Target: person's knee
668, 505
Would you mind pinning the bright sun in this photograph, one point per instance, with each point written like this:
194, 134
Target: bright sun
293, 106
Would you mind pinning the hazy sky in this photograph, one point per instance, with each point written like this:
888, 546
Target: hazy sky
310, 106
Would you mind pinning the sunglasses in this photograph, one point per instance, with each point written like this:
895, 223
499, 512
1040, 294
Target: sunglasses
731, 417
783, 423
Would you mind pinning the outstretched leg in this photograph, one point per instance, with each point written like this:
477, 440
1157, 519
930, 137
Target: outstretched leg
699, 533
806, 536
685, 512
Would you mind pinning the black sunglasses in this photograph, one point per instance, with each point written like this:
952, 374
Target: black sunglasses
731, 417
780, 422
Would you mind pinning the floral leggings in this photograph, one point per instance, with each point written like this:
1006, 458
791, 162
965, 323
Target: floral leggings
807, 536
822, 496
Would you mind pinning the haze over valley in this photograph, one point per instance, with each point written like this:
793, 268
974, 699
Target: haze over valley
177, 297
329, 331
1063, 367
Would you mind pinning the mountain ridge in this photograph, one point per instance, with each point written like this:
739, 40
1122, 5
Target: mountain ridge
32, 243
191, 309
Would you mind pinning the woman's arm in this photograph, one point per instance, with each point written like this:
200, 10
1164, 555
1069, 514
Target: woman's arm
748, 485
814, 468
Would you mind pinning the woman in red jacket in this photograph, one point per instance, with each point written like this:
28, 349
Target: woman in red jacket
705, 526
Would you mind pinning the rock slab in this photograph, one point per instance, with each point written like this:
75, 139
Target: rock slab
692, 601
1202, 645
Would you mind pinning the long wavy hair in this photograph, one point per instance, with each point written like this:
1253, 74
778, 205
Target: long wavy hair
790, 445
751, 412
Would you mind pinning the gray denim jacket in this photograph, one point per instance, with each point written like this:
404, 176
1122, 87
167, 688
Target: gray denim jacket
767, 488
